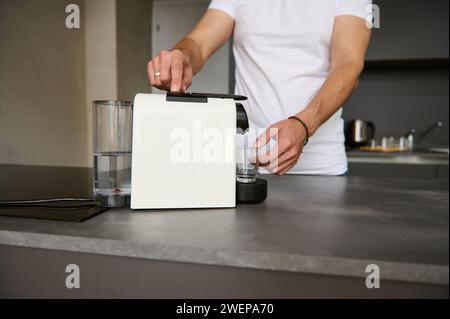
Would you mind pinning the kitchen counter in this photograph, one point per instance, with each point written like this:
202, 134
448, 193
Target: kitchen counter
311, 232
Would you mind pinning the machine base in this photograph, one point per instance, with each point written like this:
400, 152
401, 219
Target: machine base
251, 193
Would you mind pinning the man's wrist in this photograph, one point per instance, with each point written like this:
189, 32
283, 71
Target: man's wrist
191, 50
303, 126
309, 116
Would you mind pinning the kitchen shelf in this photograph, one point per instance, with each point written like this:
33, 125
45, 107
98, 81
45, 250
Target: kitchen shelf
407, 64
413, 158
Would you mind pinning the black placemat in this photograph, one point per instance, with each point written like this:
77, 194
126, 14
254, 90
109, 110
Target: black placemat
72, 215
20, 183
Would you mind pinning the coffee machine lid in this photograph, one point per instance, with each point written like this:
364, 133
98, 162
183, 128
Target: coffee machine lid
241, 114
201, 97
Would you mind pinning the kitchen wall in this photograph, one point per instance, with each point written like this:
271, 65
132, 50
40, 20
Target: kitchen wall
49, 74
408, 87
118, 38
101, 61
42, 85
133, 46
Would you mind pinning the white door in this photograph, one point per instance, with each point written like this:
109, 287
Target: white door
172, 20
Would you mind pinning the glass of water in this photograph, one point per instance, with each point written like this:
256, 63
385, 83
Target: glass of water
112, 152
246, 165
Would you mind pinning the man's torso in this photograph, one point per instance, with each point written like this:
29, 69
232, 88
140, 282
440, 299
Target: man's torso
282, 53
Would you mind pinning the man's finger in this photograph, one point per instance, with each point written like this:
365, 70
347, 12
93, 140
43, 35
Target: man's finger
165, 60
282, 160
273, 156
151, 73
187, 78
177, 74
263, 139
270, 157
156, 71
286, 167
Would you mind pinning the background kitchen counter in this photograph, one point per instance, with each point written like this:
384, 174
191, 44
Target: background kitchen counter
314, 236
415, 165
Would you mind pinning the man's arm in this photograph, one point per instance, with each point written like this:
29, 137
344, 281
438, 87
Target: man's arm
350, 40
173, 70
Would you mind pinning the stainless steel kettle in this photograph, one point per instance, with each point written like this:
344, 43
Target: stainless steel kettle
359, 132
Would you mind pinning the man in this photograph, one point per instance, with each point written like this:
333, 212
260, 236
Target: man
298, 61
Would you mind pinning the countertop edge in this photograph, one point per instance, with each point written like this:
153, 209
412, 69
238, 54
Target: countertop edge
398, 158
318, 265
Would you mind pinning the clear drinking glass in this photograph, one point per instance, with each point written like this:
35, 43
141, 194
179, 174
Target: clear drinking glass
112, 152
246, 165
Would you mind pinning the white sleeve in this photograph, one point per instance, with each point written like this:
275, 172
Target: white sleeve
227, 6
357, 8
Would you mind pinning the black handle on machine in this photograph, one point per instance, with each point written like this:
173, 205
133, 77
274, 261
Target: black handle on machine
241, 118
201, 97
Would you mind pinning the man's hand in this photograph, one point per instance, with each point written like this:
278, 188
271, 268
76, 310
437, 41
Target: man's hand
170, 71
291, 137
173, 70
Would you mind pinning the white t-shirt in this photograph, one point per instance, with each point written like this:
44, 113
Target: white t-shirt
282, 53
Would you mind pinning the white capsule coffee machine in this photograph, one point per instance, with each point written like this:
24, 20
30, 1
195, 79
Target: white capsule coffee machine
184, 152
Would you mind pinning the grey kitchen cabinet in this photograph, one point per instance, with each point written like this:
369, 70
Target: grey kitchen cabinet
411, 29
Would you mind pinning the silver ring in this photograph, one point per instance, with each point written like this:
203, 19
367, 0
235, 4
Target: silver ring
157, 74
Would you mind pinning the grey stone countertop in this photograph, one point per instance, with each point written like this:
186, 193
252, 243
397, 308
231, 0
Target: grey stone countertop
309, 224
